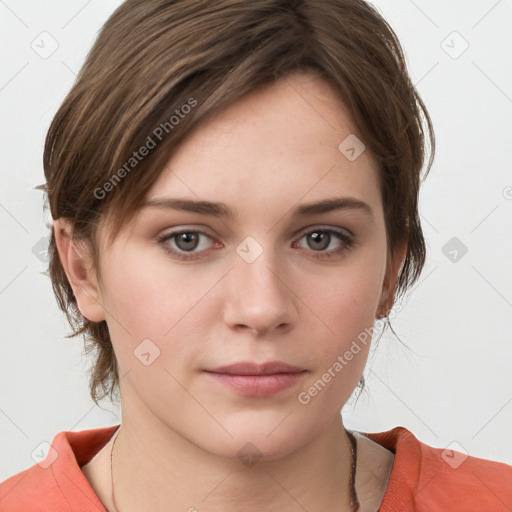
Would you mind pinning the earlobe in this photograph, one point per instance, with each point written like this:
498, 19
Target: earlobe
77, 264
389, 286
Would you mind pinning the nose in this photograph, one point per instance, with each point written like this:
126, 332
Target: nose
259, 295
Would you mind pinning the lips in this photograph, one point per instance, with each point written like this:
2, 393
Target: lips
257, 380
249, 368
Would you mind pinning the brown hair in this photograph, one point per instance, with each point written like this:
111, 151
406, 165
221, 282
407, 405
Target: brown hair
160, 67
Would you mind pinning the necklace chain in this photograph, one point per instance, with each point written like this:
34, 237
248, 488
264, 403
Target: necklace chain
354, 502
112, 472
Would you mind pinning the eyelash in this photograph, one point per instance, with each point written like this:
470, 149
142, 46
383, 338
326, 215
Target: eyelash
348, 243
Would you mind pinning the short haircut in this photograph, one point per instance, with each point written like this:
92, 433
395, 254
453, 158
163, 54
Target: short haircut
159, 68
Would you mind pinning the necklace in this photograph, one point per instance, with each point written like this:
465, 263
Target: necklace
113, 498
354, 502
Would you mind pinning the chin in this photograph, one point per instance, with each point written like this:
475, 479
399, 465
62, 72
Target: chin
261, 438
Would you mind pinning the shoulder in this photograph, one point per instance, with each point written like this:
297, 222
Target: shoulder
33, 489
428, 478
57, 482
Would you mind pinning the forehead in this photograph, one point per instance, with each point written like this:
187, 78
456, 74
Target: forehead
271, 152
274, 147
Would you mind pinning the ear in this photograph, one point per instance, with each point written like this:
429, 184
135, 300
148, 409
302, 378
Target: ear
77, 263
389, 285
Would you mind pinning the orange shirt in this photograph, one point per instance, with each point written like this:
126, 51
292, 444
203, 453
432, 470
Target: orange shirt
422, 478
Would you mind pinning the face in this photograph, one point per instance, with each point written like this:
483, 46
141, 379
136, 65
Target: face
186, 291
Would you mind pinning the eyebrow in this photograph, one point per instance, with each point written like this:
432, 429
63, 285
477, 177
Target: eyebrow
223, 210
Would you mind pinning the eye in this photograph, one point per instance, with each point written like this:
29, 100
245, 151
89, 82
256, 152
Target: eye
185, 244
322, 238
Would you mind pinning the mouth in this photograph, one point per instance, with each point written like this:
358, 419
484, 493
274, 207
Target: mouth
257, 380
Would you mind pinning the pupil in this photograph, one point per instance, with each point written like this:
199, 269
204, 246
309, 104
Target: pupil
318, 236
189, 240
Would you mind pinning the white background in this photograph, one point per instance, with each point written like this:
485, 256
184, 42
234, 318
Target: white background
452, 381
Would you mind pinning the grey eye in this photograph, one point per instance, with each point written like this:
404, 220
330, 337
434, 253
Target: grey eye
187, 241
319, 239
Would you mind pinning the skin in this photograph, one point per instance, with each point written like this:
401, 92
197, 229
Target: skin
263, 156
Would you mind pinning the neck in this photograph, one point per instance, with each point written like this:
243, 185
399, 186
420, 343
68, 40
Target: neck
154, 468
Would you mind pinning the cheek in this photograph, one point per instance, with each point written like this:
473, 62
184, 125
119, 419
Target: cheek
150, 300
341, 351
347, 300
344, 307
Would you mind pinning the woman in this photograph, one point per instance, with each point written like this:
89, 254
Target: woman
234, 188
